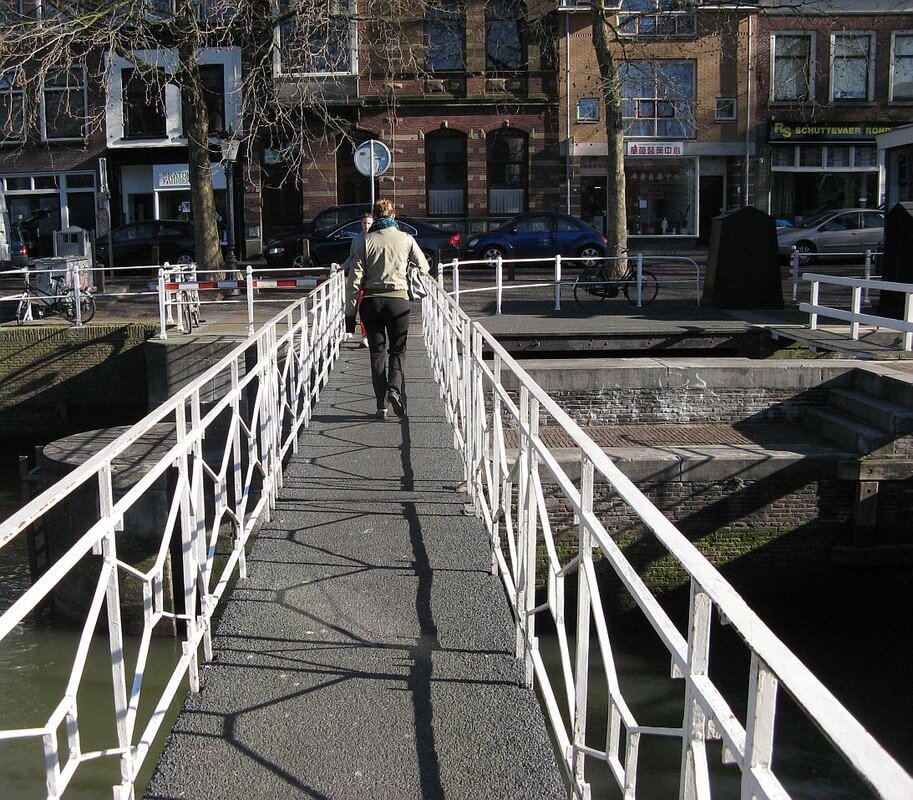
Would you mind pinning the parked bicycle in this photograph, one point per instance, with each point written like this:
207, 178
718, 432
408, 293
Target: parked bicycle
595, 283
35, 302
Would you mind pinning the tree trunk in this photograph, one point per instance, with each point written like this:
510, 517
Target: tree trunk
616, 210
202, 199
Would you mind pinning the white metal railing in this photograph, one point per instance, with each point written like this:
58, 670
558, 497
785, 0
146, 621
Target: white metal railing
506, 480
559, 281
797, 259
855, 316
267, 387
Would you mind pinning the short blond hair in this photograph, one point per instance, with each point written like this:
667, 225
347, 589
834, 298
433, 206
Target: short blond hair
384, 208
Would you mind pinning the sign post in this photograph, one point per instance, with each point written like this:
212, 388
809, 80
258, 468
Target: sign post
372, 158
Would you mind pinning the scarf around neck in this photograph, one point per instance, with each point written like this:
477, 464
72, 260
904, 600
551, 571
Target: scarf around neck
381, 223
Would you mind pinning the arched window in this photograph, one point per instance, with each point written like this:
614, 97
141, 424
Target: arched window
445, 35
503, 35
508, 172
445, 173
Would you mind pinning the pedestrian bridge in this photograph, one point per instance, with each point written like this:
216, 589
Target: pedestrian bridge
380, 635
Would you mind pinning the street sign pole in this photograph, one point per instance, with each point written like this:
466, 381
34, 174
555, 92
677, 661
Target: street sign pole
372, 176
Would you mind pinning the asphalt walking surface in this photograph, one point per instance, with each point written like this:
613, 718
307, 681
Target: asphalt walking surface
370, 652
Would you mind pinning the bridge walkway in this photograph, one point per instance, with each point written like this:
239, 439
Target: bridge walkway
370, 652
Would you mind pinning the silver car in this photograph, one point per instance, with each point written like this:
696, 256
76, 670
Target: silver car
846, 231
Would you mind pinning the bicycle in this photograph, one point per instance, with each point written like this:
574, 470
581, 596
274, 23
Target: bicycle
187, 300
594, 284
61, 299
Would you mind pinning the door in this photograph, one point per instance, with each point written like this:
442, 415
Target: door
839, 234
710, 204
531, 237
871, 234
565, 237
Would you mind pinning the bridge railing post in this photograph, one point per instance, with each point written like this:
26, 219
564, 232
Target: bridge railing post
162, 301
522, 487
499, 283
694, 781
456, 281
582, 653
497, 443
249, 293
527, 599
557, 281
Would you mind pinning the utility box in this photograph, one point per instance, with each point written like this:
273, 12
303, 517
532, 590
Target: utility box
73, 241
743, 265
895, 260
47, 269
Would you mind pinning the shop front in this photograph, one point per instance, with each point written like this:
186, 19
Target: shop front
895, 156
660, 189
823, 166
162, 191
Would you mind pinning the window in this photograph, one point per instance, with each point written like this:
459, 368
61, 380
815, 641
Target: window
10, 10
872, 219
657, 98
64, 104
792, 67
852, 67
507, 172
316, 37
445, 170
726, 109
503, 37
656, 18
588, 109
12, 110
902, 66
60, 9
212, 77
144, 104
445, 35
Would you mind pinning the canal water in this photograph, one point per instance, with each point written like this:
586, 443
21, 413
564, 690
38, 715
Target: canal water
856, 636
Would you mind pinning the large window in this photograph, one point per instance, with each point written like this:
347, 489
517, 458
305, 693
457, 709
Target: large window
144, 104
852, 67
64, 104
212, 77
445, 171
792, 67
316, 37
507, 172
902, 66
660, 196
12, 110
503, 35
656, 18
657, 98
445, 35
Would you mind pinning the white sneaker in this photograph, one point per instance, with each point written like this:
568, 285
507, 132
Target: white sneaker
364, 341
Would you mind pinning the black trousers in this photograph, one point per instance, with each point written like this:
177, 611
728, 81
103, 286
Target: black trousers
387, 321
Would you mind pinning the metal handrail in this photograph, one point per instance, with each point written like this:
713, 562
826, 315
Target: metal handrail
505, 484
855, 315
271, 382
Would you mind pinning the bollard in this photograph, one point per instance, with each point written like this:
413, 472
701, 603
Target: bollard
867, 273
558, 282
74, 282
794, 260
640, 280
499, 283
249, 272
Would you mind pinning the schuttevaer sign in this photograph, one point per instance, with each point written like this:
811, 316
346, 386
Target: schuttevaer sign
799, 131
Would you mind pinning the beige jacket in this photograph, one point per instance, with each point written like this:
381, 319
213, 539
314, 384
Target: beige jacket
378, 265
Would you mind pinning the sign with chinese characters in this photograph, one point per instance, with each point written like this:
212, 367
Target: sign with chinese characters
655, 148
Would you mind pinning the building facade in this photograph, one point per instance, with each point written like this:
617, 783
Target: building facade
832, 76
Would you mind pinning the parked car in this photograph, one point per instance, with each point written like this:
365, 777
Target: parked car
285, 250
333, 246
541, 234
133, 243
843, 231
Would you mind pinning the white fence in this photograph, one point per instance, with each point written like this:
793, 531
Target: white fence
506, 467
855, 315
268, 386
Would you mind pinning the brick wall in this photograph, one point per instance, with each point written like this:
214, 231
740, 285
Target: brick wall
54, 381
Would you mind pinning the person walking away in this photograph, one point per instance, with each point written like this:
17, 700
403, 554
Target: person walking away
378, 268
367, 220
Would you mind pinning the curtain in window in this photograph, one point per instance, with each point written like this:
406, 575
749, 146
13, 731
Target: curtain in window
445, 173
445, 35
851, 68
507, 172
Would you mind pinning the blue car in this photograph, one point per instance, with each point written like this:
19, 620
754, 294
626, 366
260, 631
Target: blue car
540, 234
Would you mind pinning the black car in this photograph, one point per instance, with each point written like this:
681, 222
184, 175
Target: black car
333, 246
284, 249
133, 244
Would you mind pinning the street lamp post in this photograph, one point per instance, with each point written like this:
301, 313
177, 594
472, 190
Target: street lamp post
229, 146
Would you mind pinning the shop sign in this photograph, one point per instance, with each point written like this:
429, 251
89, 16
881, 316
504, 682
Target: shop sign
802, 131
655, 148
172, 176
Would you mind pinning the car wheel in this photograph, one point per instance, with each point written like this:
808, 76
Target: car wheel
185, 258
806, 251
492, 253
591, 253
298, 262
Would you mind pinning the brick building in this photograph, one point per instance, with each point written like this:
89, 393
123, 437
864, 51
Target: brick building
686, 106
832, 75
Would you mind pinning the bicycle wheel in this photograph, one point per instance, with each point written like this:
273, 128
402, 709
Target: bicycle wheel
649, 291
591, 287
86, 307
